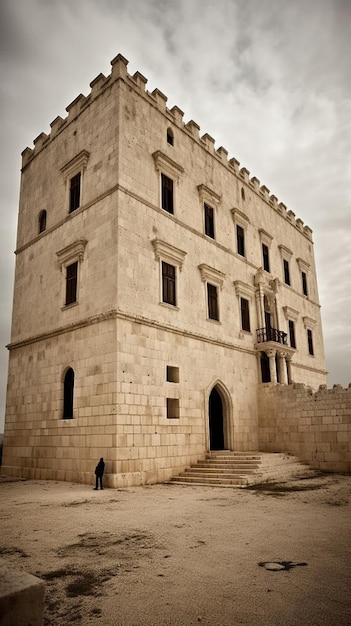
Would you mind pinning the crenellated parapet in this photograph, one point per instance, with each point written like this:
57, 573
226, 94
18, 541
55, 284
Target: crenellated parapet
158, 99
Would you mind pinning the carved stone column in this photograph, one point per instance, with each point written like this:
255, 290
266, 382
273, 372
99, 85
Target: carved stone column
272, 369
288, 365
282, 368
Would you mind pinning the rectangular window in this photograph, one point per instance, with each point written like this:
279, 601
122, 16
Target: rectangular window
310, 342
286, 272
209, 221
74, 193
240, 240
212, 301
304, 283
245, 314
265, 256
172, 408
292, 334
172, 374
168, 283
167, 194
71, 283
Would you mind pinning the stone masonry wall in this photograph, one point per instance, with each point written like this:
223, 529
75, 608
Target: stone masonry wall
313, 426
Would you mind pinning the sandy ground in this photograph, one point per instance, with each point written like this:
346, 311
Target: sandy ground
181, 555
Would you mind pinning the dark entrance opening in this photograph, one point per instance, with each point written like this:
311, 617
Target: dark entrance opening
265, 371
215, 411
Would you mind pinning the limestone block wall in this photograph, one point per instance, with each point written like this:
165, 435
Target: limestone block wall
313, 426
196, 164
38, 442
152, 447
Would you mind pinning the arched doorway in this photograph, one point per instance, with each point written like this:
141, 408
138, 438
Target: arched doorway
216, 421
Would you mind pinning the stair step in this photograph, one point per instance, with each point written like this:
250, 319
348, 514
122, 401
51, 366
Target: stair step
239, 469
240, 480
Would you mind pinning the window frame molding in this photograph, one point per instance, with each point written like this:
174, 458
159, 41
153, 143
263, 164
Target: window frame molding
73, 253
209, 275
286, 255
309, 322
240, 219
75, 166
168, 167
290, 314
304, 268
247, 292
209, 198
173, 256
266, 239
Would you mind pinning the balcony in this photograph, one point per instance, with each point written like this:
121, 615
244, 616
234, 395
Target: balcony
271, 334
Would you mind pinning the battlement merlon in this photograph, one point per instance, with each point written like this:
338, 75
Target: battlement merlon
119, 71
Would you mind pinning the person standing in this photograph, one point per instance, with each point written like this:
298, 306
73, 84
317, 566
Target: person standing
99, 472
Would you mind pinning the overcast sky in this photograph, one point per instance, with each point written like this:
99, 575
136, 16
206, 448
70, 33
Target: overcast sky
268, 79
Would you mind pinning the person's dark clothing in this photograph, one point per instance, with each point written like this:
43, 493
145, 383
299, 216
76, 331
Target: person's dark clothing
99, 472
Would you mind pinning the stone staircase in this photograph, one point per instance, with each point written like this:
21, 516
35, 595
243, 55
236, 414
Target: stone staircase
224, 468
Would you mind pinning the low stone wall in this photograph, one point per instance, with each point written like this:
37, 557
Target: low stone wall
21, 598
316, 427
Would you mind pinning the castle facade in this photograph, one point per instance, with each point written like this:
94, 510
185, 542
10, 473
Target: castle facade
158, 286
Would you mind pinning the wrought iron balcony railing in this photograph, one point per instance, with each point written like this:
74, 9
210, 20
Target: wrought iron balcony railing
271, 334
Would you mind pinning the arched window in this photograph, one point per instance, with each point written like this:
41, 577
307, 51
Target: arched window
42, 221
68, 388
170, 136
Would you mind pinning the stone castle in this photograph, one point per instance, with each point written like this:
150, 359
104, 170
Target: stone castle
162, 297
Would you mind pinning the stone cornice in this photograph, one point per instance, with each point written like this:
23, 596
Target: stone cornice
88, 321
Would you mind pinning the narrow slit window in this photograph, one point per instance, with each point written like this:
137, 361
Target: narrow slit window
68, 390
304, 283
265, 256
310, 342
245, 314
167, 194
292, 334
212, 301
240, 240
209, 221
170, 137
286, 272
42, 221
169, 283
74, 192
71, 283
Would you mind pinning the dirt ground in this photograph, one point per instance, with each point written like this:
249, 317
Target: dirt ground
176, 555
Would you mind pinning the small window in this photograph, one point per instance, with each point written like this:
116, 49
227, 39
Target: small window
68, 388
170, 137
304, 283
212, 302
42, 221
74, 192
242, 193
286, 271
265, 256
245, 314
169, 283
172, 408
310, 342
292, 334
172, 374
71, 283
209, 221
240, 240
167, 194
